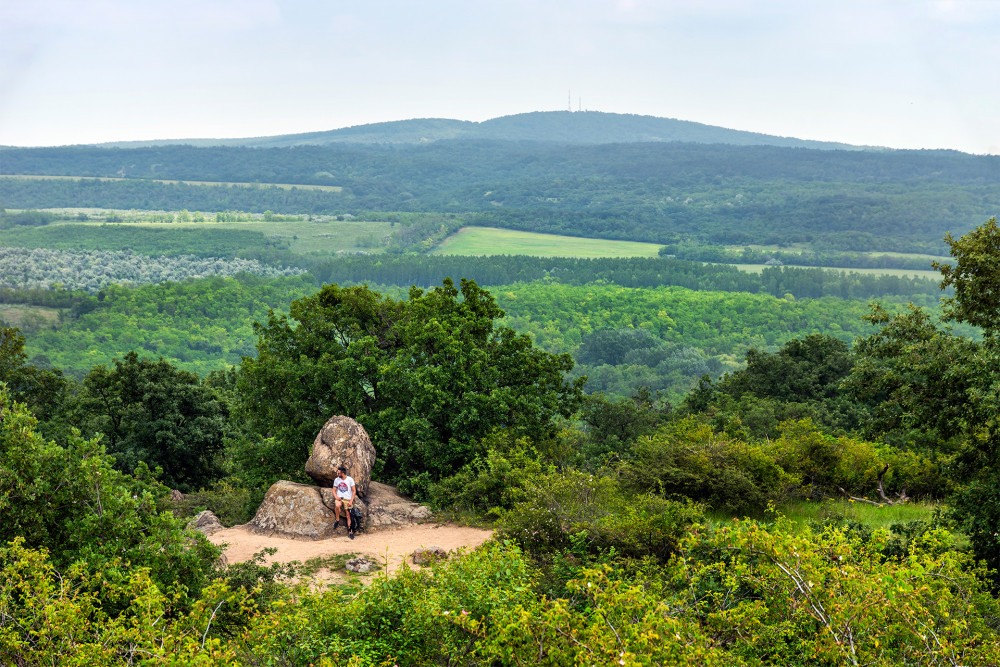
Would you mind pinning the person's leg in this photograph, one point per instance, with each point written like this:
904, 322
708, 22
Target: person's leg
336, 512
347, 510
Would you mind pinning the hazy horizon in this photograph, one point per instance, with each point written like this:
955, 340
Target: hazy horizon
877, 72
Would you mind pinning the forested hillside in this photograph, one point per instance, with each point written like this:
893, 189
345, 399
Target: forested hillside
591, 127
683, 463
659, 192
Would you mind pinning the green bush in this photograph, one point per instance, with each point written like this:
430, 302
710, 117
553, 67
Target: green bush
564, 511
491, 483
686, 459
70, 500
233, 504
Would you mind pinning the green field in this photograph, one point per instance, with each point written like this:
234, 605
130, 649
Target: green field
492, 241
28, 318
283, 186
913, 273
303, 236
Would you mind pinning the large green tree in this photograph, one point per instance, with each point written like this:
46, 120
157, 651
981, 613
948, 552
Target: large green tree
427, 377
44, 391
931, 384
151, 412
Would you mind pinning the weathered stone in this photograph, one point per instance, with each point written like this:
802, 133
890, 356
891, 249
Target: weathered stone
206, 522
342, 442
386, 508
329, 497
176, 496
359, 565
307, 512
427, 555
293, 510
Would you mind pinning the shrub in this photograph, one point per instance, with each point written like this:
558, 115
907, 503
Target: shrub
491, 483
687, 459
233, 504
562, 511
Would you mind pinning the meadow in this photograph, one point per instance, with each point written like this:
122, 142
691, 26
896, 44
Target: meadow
303, 237
905, 273
495, 241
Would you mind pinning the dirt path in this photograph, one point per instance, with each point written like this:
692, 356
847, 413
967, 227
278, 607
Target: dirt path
388, 548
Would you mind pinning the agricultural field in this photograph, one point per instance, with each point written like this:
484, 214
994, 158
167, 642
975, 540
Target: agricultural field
28, 318
907, 273
495, 241
302, 236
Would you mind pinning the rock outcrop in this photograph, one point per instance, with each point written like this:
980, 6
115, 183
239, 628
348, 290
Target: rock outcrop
360, 565
305, 512
342, 442
206, 522
293, 510
428, 555
386, 508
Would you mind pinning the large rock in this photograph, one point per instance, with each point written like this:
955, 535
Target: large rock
293, 510
305, 512
206, 522
386, 508
428, 555
342, 442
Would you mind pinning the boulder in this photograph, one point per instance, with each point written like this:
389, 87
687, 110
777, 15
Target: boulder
359, 565
386, 508
342, 442
206, 522
427, 555
305, 512
293, 510
176, 496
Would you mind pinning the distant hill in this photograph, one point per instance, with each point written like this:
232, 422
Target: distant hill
565, 127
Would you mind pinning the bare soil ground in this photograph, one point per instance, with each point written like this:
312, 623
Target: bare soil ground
388, 548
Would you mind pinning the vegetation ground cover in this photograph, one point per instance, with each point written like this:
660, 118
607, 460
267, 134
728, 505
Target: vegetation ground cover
494, 241
282, 186
605, 551
302, 236
910, 273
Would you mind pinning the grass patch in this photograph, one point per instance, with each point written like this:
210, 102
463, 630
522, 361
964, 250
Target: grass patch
803, 511
911, 273
332, 562
304, 237
481, 241
28, 318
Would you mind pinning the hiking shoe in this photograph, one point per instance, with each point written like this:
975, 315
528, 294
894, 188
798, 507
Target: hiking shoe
351, 534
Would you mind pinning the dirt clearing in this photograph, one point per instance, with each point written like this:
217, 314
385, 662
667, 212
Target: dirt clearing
388, 548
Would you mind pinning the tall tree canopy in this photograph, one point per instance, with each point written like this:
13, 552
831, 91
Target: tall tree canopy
427, 377
926, 381
151, 412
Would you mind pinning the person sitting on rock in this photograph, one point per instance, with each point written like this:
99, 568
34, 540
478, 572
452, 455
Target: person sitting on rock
344, 486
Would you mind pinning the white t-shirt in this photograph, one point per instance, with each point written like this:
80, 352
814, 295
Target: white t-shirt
344, 486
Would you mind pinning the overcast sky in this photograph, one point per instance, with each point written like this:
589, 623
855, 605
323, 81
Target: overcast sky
898, 73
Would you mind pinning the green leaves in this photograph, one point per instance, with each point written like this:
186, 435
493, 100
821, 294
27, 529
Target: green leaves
426, 377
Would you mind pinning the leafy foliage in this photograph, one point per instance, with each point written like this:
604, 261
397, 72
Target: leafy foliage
427, 377
70, 500
94, 270
152, 413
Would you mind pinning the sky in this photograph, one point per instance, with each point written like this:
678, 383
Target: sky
896, 73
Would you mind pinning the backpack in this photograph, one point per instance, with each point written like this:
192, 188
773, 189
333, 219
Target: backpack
357, 520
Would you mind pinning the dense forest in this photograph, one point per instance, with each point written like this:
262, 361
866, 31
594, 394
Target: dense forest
658, 192
631, 531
